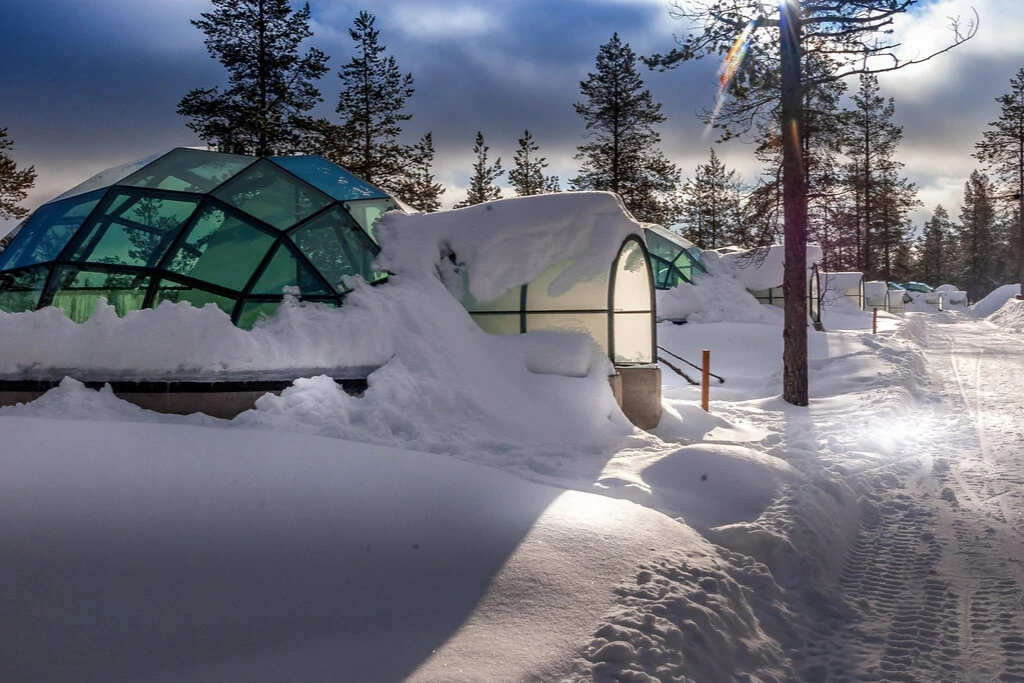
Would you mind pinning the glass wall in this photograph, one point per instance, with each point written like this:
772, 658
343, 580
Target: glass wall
615, 307
674, 259
199, 227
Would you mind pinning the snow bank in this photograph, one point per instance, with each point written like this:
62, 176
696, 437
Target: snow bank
510, 242
1010, 316
994, 301
712, 299
757, 269
177, 340
262, 557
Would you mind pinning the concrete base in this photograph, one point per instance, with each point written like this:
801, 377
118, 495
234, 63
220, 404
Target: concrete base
217, 399
637, 390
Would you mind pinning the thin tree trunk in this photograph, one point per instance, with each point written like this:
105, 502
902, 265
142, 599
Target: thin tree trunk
794, 334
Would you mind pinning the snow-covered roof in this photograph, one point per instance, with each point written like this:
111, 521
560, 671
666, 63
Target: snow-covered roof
511, 242
757, 269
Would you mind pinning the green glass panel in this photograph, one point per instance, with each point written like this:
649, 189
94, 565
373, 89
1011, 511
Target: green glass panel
254, 311
20, 290
366, 212
632, 286
587, 294
168, 290
272, 195
222, 249
47, 231
662, 247
499, 323
134, 230
633, 337
336, 246
594, 324
111, 176
189, 170
284, 270
79, 290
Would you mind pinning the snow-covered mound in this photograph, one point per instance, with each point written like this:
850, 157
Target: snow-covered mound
510, 242
756, 269
994, 300
712, 299
1010, 316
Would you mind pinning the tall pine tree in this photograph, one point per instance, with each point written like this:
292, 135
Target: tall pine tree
1002, 151
271, 89
14, 182
373, 94
622, 155
416, 186
527, 174
977, 235
881, 198
711, 206
936, 249
482, 187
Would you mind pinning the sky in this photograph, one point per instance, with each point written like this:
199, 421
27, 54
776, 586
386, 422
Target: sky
88, 86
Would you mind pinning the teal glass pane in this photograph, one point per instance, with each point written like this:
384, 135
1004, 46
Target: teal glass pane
660, 246
48, 231
20, 290
79, 290
336, 246
168, 290
222, 249
134, 230
285, 270
254, 311
273, 196
189, 170
330, 178
111, 176
367, 212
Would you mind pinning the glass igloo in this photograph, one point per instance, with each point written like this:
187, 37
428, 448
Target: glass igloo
674, 258
197, 226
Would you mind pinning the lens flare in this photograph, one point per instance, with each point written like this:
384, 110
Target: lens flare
726, 73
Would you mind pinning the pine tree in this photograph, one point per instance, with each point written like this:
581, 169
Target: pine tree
14, 183
527, 176
622, 155
373, 94
271, 86
711, 210
481, 184
416, 187
977, 236
853, 36
1002, 151
936, 248
881, 199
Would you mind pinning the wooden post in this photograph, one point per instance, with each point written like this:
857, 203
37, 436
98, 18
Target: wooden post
705, 381
874, 320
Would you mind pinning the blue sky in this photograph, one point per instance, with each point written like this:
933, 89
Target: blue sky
90, 85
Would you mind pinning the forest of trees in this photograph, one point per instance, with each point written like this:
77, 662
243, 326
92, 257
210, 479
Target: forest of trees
859, 202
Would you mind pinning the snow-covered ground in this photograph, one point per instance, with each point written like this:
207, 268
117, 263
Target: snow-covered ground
485, 513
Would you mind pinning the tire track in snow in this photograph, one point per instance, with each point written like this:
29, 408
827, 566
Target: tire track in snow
905, 632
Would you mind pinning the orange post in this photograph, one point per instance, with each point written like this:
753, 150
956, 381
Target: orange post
874, 320
705, 381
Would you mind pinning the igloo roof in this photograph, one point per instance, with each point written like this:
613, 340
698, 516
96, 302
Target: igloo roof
198, 226
674, 258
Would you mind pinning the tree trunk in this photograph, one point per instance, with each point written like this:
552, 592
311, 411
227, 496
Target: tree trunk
794, 333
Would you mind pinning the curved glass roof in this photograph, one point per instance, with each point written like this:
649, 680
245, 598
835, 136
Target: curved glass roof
674, 258
197, 226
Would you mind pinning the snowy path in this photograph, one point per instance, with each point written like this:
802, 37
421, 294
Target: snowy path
937, 572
